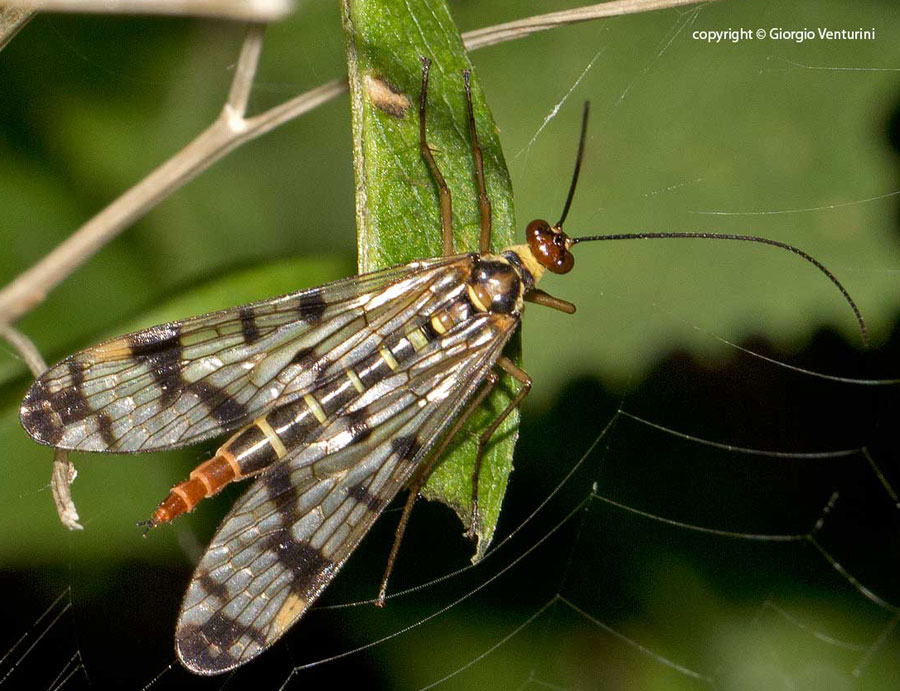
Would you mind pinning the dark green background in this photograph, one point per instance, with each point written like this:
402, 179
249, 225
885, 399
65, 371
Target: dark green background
788, 140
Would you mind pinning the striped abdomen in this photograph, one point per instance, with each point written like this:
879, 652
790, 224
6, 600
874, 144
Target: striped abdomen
273, 435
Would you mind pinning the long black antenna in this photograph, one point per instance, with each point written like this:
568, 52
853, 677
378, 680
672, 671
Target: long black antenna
863, 330
578, 158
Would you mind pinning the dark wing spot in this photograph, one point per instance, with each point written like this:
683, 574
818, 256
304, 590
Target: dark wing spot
160, 349
70, 403
362, 494
205, 648
308, 360
211, 586
197, 654
307, 564
249, 330
358, 425
305, 358
104, 427
406, 447
311, 307
221, 406
37, 416
45, 415
283, 494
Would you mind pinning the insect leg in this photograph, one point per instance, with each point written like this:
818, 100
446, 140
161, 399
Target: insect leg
522, 377
443, 189
484, 204
422, 477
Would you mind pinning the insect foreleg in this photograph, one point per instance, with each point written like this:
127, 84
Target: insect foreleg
443, 189
424, 473
484, 204
539, 297
522, 377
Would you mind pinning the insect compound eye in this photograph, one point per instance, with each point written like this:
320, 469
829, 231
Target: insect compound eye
548, 245
536, 231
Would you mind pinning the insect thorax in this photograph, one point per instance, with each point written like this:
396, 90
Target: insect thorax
498, 283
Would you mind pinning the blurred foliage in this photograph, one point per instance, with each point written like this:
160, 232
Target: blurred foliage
797, 142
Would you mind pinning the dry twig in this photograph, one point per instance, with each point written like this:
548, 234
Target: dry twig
12, 19
500, 33
244, 10
64, 472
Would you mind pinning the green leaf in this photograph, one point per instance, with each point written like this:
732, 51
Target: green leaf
397, 209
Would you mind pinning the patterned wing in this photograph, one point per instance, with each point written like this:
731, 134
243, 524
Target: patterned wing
186, 381
290, 533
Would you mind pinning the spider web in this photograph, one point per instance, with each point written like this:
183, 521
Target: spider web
723, 514
631, 555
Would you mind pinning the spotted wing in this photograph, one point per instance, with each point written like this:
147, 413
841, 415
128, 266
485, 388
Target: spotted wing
186, 381
290, 533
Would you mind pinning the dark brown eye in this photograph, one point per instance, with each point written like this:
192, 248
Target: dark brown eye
536, 228
548, 245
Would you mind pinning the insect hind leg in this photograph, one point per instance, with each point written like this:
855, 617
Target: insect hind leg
522, 377
422, 477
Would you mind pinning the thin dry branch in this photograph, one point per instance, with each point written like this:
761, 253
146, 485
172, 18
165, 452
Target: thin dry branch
499, 33
245, 10
64, 472
242, 83
12, 19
